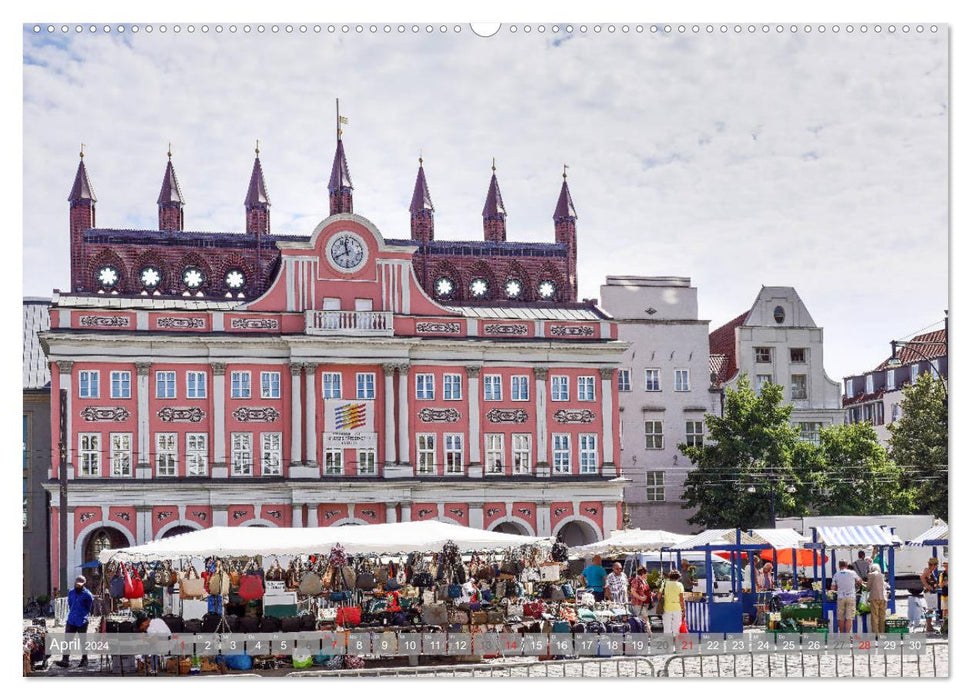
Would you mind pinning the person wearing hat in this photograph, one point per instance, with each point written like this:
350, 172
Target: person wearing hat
79, 602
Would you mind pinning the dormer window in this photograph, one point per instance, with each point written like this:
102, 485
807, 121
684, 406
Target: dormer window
869, 383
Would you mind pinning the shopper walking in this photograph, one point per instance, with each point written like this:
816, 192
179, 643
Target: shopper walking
616, 585
845, 583
640, 597
79, 602
861, 567
877, 586
673, 610
593, 578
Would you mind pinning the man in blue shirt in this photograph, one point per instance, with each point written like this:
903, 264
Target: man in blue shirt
593, 578
79, 602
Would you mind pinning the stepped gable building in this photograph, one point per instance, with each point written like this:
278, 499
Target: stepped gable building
258, 379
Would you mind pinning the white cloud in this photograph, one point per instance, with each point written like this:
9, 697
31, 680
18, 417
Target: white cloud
814, 161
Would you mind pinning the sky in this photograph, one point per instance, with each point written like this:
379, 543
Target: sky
817, 161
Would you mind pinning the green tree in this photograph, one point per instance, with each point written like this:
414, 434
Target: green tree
853, 475
752, 445
918, 441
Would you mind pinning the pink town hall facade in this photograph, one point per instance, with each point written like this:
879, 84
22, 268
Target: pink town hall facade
247, 379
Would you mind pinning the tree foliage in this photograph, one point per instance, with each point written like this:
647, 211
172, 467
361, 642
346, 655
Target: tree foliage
918, 441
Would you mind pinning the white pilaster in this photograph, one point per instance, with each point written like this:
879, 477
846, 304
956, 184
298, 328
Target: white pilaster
220, 469
405, 512
390, 456
476, 516
143, 524
310, 458
607, 404
475, 438
296, 515
404, 435
543, 527
312, 515
610, 519
390, 513
542, 432
296, 418
220, 516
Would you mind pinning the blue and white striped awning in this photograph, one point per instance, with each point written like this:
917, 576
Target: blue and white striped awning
777, 538
857, 536
936, 534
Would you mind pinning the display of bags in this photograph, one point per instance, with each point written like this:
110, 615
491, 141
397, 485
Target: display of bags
310, 584
348, 616
479, 617
276, 572
434, 614
494, 616
549, 572
191, 586
251, 584
366, 581
215, 583
133, 584
423, 579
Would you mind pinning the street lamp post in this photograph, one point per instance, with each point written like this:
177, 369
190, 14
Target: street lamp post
772, 487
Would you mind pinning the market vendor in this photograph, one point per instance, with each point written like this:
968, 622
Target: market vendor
616, 584
764, 580
593, 578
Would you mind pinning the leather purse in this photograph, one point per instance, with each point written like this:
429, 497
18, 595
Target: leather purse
494, 616
381, 575
423, 579
366, 581
348, 616
133, 584
434, 614
348, 577
251, 585
458, 617
479, 617
310, 584
215, 583
191, 585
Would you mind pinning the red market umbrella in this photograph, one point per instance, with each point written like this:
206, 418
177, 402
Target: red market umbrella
804, 557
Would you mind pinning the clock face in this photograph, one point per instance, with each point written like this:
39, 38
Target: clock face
150, 277
108, 276
444, 287
193, 277
479, 287
235, 279
514, 288
347, 251
547, 289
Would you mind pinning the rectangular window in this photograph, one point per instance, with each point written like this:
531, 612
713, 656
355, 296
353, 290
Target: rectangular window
878, 413
869, 383
763, 354
810, 432
494, 453
694, 433
89, 454
195, 385
655, 486
891, 380
121, 385
165, 385
166, 454
561, 454
196, 454
798, 386
269, 385
331, 385
895, 412
367, 460
453, 453
588, 454
271, 454
654, 434
520, 388
425, 386
239, 385
521, 462
560, 388
426, 453
681, 380
585, 390
761, 380
492, 387
365, 385
452, 387
868, 413
652, 379
89, 381
797, 356
849, 388
120, 454
242, 453
914, 372
333, 462
623, 380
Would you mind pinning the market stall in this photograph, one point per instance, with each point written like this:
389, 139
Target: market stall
934, 537
852, 538
631, 541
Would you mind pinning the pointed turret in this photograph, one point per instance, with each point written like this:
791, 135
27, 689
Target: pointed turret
257, 200
565, 232
340, 187
422, 210
81, 218
494, 211
170, 200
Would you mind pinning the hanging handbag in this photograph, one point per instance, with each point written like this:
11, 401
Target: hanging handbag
339, 596
293, 577
513, 609
310, 584
191, 585
428, 596
423, 579
348, 616
381, 575
251, 584
494, 616
458, 617
133, 584
215, 583
347, 577
454, 591
557, 594
435, 614
533, 609
149, 583
479, 617
559, 552
276, 572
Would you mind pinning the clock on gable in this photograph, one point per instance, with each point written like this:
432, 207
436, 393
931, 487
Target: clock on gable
346, 251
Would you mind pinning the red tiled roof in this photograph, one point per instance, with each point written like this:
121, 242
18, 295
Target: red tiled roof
716, 365
863, 398
721, 341
907, 355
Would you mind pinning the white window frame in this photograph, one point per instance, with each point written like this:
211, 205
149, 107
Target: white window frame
269, 385
91, 378
559, 388
165, 379
849, 388
196, 454
694, 433
914, 372
869, 383
330, 385
425, 444
425, 386
452, 387
495, 446
367, 461
119, 445
768, 350
365, 383
891, 380
334, 461
586, 388
562, 454
623, 379
654, 439
454, 445
192, 392
241, 453
522, 453
492, 387
588, 453
89, 454
792, 392
519, 387
682, 380
166, 454
271, 454
240, 386
761, 380
655, 373
121, 378
894, 412
809, 431
655, 486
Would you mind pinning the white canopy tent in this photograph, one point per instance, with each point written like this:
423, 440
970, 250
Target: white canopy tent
387, 539
939, 534
629, 541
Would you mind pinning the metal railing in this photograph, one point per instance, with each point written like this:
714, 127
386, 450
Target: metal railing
371, 323
619, 667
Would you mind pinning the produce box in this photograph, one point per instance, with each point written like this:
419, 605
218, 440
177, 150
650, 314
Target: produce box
802, 612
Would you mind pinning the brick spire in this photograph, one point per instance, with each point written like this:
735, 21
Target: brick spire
565, 232
81, 219
81, 190
422, 210
257, 200
494, 212
170, 200
340, 187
